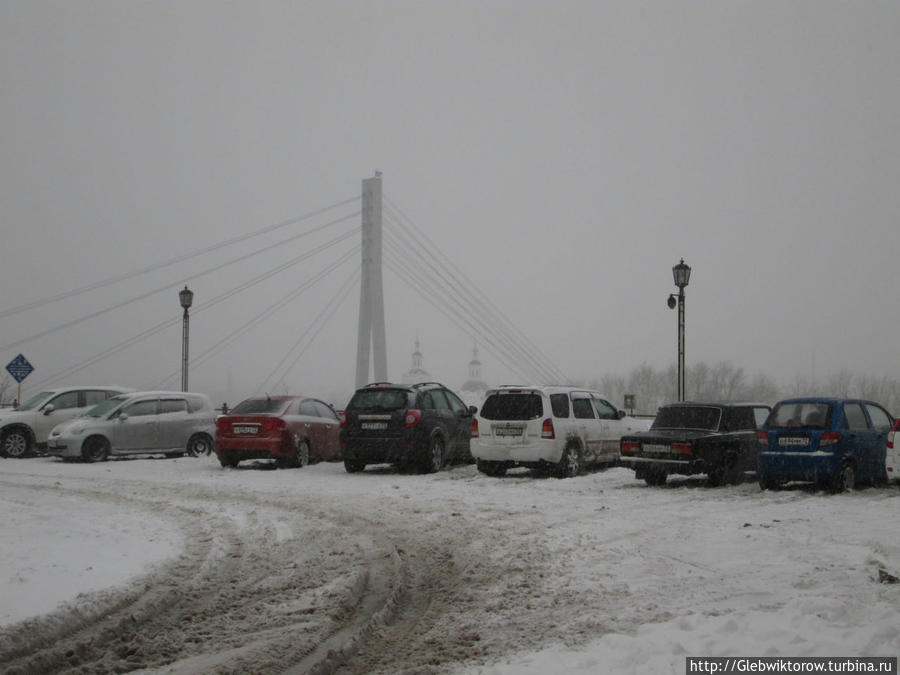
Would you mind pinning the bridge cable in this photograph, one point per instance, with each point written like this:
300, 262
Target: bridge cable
169, 286
171, 261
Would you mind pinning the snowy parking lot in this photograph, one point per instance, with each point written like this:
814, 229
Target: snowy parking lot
180, 566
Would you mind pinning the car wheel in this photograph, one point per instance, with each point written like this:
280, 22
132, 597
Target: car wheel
656, 477
715, 476
434, 460
353, 466
199, 444
844, 479
227, 460
95, 449
17, 443
569, 464
767, 483
494, 469
300, 456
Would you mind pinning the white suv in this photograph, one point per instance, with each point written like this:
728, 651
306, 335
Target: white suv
26, 428
557, 427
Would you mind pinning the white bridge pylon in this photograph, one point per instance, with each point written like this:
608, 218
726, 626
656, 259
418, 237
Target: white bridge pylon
371, 337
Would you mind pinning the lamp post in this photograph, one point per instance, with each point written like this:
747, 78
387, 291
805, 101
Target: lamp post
186, 297
682, 274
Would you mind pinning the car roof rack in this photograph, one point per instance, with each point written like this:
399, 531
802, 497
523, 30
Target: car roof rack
426, 384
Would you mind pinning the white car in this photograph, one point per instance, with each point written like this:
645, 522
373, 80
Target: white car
168, 422
24, 430
892, 455
557, 427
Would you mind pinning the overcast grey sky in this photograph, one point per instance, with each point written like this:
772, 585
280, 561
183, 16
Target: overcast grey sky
564, 156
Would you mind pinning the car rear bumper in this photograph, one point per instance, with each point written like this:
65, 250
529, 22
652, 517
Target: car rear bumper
679, 466
252, 448
802, 466
377, 450
520, 453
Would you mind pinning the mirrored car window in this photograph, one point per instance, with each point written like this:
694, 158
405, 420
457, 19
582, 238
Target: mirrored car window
582, 408
880, 419
308, 407
456, 404
605, 411
170, 405
67, 400
560, 405
140, 409
326, 411
856, 419
93, 397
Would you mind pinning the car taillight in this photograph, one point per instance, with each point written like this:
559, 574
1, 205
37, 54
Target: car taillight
891, 437
630, 446
274, 424
829, 438
412, 418
763, 438
682, 448
474, 428
222, 424
343, 417
547, 430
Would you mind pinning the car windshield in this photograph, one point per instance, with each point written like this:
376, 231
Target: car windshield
512, 406
687, 417
108, 405
256, 406
36, 401
805, 414
380, 399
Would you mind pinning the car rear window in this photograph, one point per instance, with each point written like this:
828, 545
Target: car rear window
512, 406
808, 415
687, 417
256, 406
380, 399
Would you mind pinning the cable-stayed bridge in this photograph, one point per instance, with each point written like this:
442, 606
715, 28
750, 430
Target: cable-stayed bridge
354, 241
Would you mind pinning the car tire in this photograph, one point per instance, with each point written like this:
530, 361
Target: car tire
199, 444
768, 483
299, 456
654, 477
227, 460
434, 459
95, 449
569, 465
493, 469
353, 466
844, 478
16, 443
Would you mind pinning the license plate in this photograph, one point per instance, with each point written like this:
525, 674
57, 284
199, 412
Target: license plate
650, 447
374, 426
245, 429
793, 442
507, 431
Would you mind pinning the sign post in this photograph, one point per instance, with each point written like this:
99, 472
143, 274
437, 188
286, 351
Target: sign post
19, 368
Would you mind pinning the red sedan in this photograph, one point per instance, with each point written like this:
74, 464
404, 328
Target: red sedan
293, 430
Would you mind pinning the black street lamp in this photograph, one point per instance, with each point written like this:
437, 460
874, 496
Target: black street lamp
682, 275
186, 297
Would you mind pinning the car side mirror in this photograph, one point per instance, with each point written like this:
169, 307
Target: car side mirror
49, 408
123, 417
473, 410
621, 414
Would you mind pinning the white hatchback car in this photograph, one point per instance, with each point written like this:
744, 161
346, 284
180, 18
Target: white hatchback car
147, 422
557, 427
24, 430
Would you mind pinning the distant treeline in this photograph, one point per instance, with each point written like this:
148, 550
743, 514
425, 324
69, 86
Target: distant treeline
724, 382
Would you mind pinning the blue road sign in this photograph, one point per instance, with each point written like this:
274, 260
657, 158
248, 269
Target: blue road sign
19, 368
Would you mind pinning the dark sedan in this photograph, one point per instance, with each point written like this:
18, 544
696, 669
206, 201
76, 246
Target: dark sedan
718, 439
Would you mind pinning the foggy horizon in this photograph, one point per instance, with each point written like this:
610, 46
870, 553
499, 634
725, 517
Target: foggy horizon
563, 157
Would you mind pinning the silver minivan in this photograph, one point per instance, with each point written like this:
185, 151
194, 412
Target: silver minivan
173, 423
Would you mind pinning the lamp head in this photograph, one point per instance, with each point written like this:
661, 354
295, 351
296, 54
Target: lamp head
186, 297
682, 274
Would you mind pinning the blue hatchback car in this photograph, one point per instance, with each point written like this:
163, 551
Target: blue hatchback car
833, 442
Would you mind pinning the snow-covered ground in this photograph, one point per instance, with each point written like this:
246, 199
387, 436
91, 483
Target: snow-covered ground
179, 566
